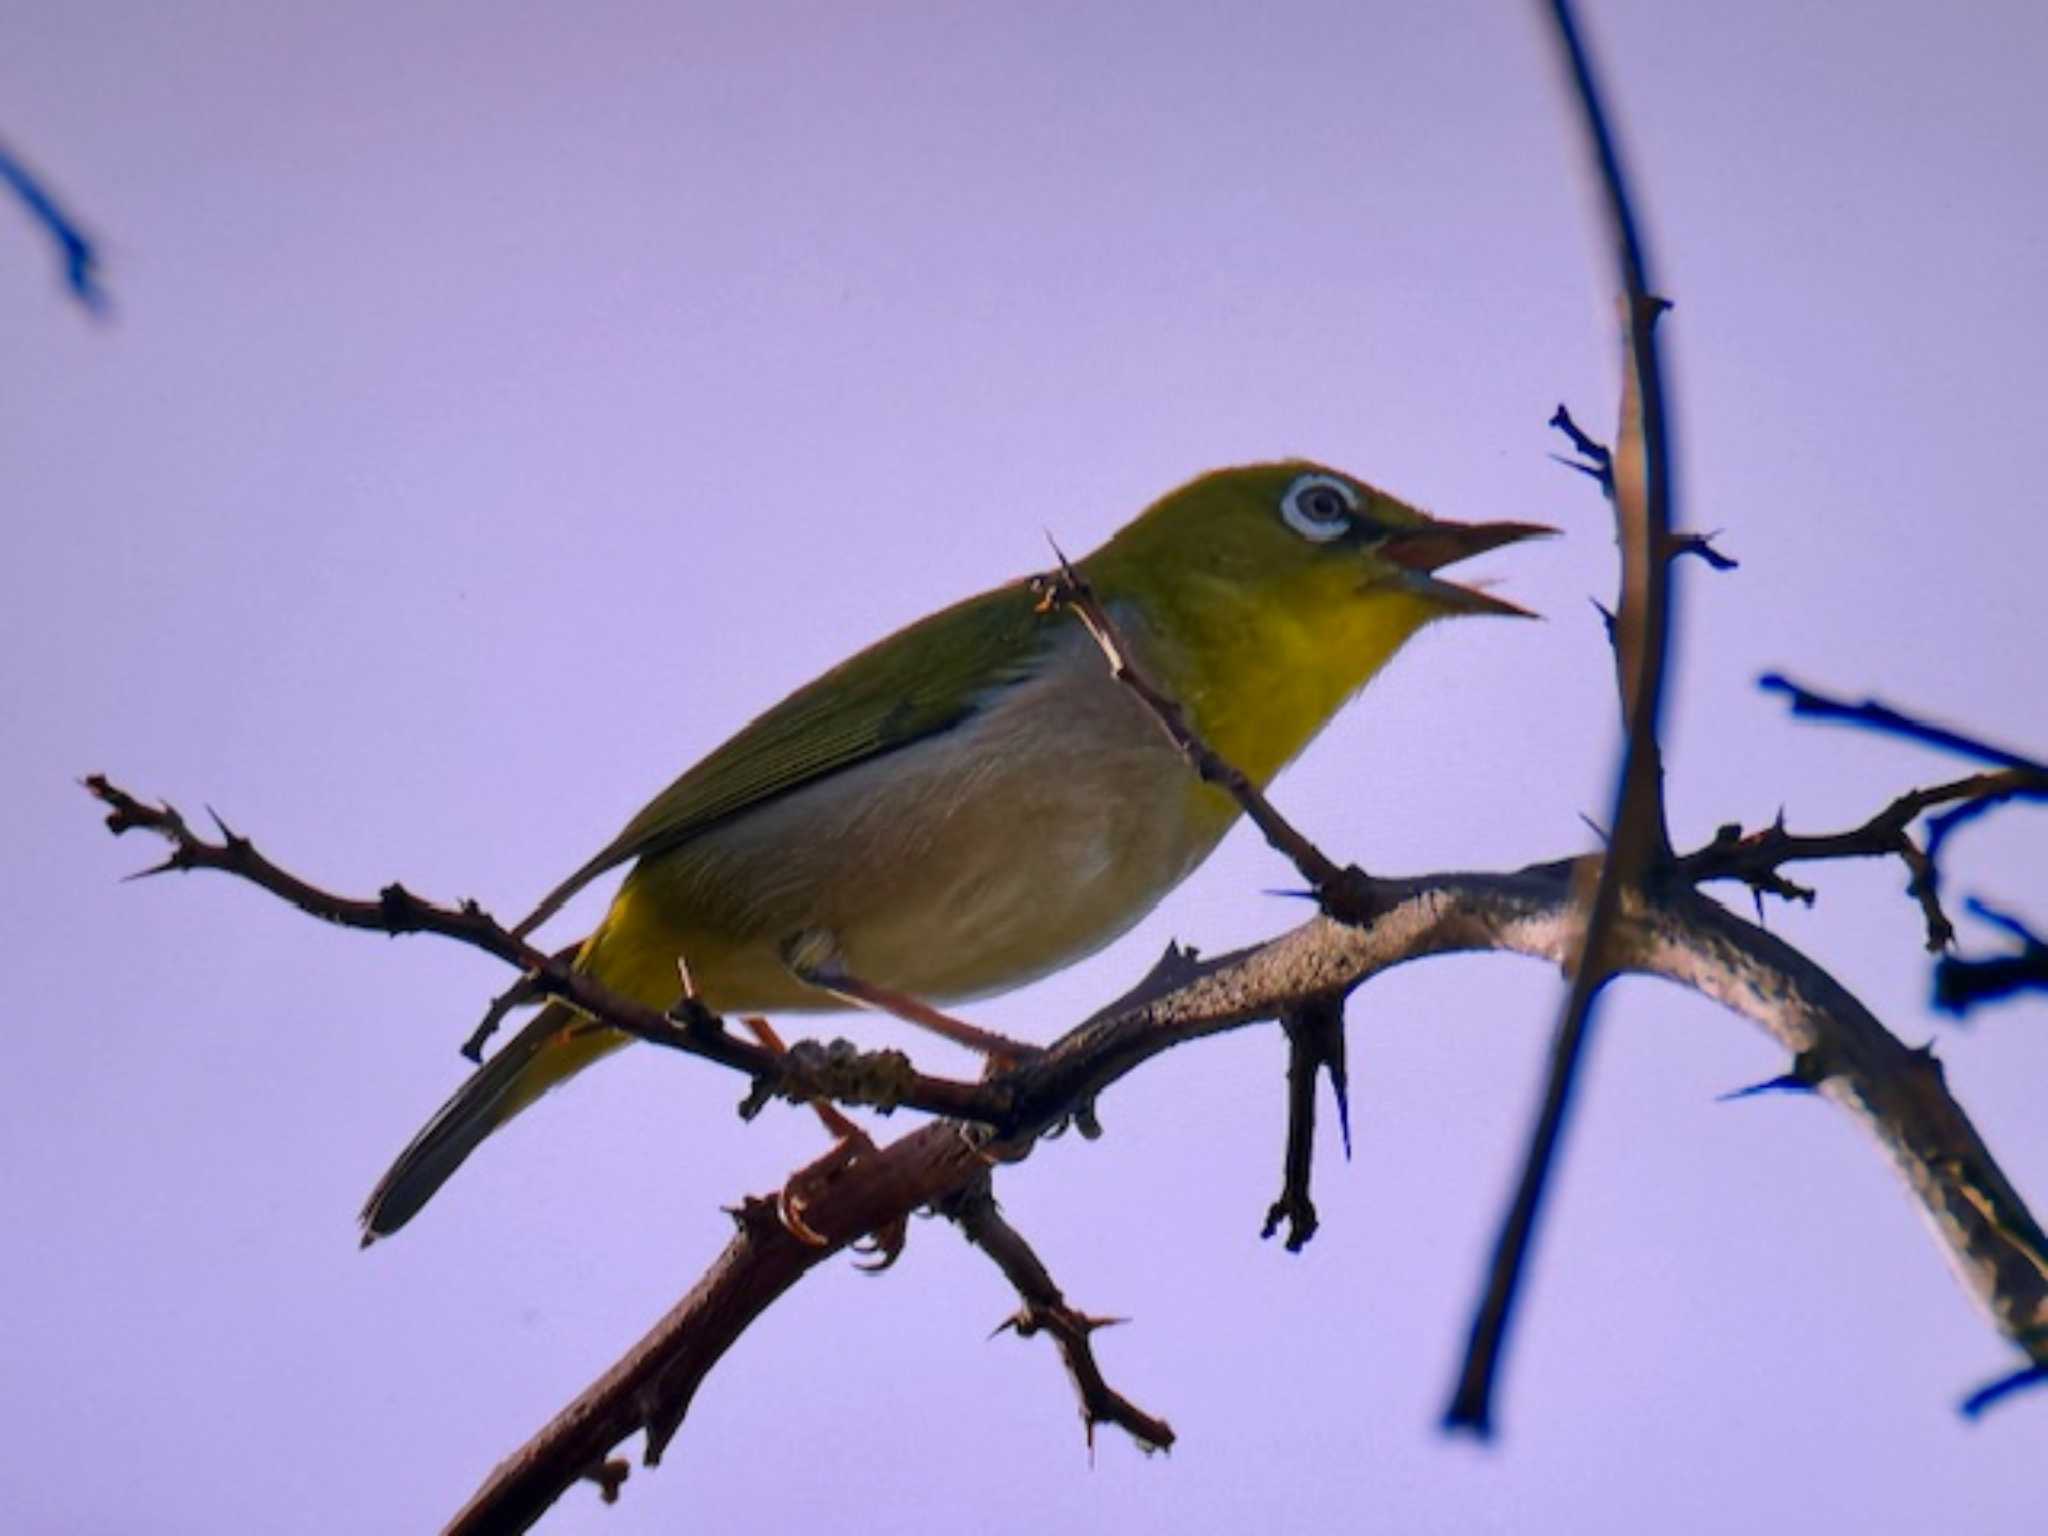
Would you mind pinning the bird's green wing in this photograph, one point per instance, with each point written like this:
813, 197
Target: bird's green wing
916, 683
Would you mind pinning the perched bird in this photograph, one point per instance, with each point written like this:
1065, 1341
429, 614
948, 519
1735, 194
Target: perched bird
975, 801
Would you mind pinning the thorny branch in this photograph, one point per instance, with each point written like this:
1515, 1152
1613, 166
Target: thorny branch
852, 1193
851, 1078
1756, 858
652, 1386
1959, 983
1896, 1093
1043, 1309
1639, 478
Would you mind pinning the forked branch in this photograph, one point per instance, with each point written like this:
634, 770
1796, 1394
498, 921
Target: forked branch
1896, 1093
1756, 858
1043, 1308
853, 1193
691, 1029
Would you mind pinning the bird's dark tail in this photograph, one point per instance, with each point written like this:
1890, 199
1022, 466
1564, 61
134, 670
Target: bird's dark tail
558, 1044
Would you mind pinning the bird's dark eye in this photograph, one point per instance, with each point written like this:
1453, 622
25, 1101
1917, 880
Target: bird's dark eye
1322, 504
1318, 507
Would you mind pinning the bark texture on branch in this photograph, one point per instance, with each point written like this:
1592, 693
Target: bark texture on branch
652, 1387
859, 1192
1893, 1091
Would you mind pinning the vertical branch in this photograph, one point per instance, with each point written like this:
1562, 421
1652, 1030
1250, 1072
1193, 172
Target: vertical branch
1315, 1044
1640, 841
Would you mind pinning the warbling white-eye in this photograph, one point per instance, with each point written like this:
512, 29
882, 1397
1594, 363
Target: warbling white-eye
975, 801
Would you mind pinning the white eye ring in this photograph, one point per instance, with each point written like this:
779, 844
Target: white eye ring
1318, 507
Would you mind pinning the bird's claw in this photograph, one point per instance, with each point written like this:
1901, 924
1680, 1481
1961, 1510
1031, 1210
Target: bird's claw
793, 1201
886, 1243
789, 1209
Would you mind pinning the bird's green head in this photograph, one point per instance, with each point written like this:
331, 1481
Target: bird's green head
1304, 537
1274, 591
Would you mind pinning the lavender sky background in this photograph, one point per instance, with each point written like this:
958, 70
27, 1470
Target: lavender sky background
502, 406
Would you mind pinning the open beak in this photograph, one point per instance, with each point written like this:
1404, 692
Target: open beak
1420, 552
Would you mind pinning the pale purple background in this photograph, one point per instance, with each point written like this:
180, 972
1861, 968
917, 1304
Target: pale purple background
501, 408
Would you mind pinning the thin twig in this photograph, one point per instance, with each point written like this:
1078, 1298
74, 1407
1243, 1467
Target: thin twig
1961, 983
1596, 459
1874, 715
76, 253
2026, 1379
882, 1079
526, 990
1044, 1309
1345, 892
1757, 857
1941, 828
1701, 547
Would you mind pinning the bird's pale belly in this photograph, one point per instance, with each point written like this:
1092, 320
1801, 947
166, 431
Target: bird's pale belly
961, 865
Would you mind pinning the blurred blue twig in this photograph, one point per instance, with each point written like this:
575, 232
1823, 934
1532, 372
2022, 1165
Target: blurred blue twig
1960, 983
75, 249
1874, 715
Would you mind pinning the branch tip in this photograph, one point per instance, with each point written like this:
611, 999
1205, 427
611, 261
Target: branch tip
1602, 458
1701, 546
1992, 1393
609, 1476
1468, 1418
1875, 715
78, 257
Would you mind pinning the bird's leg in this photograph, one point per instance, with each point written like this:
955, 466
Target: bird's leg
985, 1042
850, 1143
813, 958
